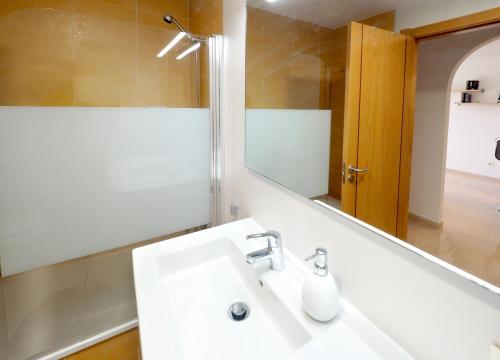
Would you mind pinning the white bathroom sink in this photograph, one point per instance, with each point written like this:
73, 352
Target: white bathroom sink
185, 286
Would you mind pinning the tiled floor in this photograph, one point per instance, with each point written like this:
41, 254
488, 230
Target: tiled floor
470, 236
121, 347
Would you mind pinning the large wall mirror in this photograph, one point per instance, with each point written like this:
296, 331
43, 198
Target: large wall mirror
387, 110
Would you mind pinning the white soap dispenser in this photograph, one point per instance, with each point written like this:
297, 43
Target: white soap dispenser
320, 296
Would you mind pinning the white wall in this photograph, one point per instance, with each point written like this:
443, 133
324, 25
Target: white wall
427, 12
438, 59
474, 128
291, 147
430, 311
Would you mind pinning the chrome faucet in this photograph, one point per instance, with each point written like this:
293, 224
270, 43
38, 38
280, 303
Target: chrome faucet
273, 252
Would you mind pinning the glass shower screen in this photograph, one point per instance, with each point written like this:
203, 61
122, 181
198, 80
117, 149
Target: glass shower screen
81, 180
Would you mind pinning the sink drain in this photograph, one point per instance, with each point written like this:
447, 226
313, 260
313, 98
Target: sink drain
239, 311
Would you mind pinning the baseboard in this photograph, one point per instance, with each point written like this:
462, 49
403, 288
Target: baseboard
433, 224
466, 173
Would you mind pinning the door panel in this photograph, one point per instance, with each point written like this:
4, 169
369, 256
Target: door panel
380, 124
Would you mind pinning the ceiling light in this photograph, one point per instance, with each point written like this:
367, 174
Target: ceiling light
188, 51
171, 44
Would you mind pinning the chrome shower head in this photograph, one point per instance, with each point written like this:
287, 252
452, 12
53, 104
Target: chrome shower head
168, 18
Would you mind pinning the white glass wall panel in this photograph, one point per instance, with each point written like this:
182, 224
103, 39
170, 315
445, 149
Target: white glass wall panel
78, 180
291, 147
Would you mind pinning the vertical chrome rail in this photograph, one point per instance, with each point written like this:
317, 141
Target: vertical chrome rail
197, 78
215, 64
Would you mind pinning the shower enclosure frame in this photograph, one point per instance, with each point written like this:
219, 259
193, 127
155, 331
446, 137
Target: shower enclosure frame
215, 46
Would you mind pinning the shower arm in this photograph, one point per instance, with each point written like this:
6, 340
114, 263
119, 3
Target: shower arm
169, 19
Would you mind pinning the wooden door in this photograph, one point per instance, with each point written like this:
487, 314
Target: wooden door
374, 125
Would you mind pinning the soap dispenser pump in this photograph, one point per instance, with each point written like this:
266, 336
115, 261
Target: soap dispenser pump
320, 296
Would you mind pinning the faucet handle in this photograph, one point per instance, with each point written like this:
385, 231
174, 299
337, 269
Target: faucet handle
270, 233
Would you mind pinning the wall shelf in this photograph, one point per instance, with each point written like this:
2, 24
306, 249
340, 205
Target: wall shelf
477, 103
469, 91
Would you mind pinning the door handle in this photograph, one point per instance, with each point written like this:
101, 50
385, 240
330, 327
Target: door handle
352, 173
353, 170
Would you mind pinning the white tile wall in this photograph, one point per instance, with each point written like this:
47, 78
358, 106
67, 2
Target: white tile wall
430, 311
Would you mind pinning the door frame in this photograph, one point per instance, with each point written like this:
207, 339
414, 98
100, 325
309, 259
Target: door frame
406, 149
351, 113
466, 22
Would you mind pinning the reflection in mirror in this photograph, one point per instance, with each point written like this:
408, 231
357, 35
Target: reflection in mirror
455, 181
343, 110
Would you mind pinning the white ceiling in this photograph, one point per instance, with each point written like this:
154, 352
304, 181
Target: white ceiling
329, 13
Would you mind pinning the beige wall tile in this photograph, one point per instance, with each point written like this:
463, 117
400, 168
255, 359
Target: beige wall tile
160, 89
179, 69
155, 19
204, 92
101, 52
150, 89
11, 6
102, 55
178, 8
306, 37
205, 17
102, 89
129, 3
305, 70
151, 41
276, 49
157, 75
43, 50
204, 76
31, 16
277, 97
254, 97
276, 25
254, 21
23, 87
253, 73
87, 26
285, 52
104, 9
179, 94
306, 98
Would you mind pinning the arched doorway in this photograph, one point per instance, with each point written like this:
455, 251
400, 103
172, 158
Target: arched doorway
455, 175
